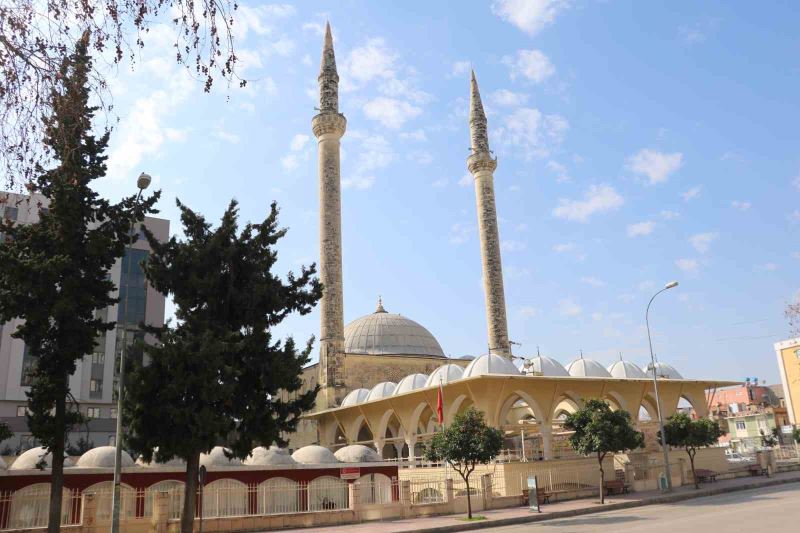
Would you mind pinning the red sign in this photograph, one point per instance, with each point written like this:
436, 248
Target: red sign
350, 472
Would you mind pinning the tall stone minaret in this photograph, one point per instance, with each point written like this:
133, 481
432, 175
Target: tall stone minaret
481, 165
329, 126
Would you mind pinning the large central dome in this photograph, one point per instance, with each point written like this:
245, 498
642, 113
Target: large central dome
383, 333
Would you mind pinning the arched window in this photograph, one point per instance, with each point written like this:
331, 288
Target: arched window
327, 493
174, 489
278, 495
30, 507
374, 488
103, 494
225, 497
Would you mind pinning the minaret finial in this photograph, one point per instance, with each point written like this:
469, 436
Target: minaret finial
380, 308
581, 353
328, 77
477, 119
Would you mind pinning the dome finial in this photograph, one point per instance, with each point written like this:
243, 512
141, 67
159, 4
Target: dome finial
380, 308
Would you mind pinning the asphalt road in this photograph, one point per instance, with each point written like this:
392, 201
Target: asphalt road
774, 509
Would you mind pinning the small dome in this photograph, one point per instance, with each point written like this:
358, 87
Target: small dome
30, 458
103, 457
545, 366
410, 382
314, 455
354, 397
357, 453
490, 364
444, 374
587, 368
381, 390
382, 333
467, 357
663, 370
216, 457
173, 462
626, 370
269, 456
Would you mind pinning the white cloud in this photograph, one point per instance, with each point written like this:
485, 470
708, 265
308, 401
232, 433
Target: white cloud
459, 68
527, 311
442, 182
513, 272
371, 61
259, 19
415, 135
657, 166
533, 65
741, 206
390, 112
531, 132
421, 157
669, 215
314, 27
593, 281
646, 286
299, 142
562, 175
692, 193
529, 16
597, 317
359, 182
374, 153
506, 98
569, 308
794, 216
767, 267
290, 162
282, 47
307, 60
796, 182
563, 247
512, 246
460, 233
702, 241
466, 180
796, 255
597, 199
687, 265
641, 228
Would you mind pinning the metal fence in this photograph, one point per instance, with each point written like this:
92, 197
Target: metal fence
29, 507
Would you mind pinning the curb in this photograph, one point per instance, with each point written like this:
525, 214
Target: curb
669, 498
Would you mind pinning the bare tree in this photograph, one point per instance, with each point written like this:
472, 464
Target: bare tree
36, 35
793, 316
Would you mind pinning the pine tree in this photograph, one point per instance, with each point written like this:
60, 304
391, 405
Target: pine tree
54, 274
217, 376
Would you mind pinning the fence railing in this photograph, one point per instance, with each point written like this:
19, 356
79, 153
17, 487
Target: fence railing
30, 507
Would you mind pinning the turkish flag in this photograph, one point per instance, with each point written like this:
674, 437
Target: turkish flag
439, 404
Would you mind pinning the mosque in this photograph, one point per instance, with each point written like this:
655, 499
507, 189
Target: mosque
380, 374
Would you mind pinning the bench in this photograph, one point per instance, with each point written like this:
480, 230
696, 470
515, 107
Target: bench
758, 470
541, 496
704, 475
616, 486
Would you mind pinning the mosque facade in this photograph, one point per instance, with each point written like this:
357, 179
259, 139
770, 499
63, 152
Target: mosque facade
379, 375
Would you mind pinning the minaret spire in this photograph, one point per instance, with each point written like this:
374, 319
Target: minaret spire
328, 77
477, 119
481, 165
329, 127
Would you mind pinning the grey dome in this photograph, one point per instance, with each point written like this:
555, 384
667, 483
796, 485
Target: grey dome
444, 374
381, 390
357, 453
314, 455
103, 457
587, 368
409, 383
664, 371
29, 458
544, 366
626, 370
490, 364
216, 457
355, 397
383, 333
269, 456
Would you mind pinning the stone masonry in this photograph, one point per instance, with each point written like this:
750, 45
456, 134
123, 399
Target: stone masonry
329, 127
481, 165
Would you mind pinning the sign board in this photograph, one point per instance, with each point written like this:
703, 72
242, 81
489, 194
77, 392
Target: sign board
533, 494
350, 472
787, 429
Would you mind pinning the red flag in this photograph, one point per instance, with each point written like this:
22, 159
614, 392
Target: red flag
439, 404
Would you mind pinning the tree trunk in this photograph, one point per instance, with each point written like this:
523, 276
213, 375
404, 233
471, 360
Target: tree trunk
691, 463
57, 469
602, 480
190, 493
469, 499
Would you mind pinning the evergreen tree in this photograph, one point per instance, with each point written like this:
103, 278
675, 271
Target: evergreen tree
54, 274
599, 430
683, 432
467, 442
5, 432
217, 376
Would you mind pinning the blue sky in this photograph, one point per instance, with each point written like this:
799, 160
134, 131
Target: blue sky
637, 143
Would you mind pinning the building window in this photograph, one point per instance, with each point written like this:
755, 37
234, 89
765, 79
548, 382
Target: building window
22, 410
98, 358
10, 213
740, 424
93, 412
95, 387
134, 288
28, 364
112, 412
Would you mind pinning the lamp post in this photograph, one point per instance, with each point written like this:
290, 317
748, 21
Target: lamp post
142, 183
670, 285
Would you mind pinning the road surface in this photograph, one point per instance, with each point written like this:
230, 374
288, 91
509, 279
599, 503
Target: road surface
770, 509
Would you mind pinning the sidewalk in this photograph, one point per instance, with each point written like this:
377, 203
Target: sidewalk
519, 515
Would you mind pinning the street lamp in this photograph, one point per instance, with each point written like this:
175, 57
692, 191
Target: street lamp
670, 285
142, 183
